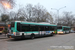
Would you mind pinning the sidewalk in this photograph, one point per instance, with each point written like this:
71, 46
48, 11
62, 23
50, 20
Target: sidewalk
3, 36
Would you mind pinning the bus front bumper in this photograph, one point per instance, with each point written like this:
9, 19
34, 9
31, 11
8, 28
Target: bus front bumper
15, 36
60, 32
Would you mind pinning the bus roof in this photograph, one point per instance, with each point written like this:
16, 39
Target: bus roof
63, 26
34, 23
66, 26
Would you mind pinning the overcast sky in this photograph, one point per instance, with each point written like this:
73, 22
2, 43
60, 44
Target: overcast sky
48, 4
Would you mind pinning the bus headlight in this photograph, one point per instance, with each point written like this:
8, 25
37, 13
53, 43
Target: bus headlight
60, 32
14, 33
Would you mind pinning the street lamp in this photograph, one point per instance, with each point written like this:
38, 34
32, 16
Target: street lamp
58, 11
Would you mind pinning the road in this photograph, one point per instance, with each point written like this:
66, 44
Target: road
57, 42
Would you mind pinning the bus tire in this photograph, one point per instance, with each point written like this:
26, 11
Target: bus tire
22, 37
32, 36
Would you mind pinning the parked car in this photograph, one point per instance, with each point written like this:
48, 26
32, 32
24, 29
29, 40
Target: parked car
71, 31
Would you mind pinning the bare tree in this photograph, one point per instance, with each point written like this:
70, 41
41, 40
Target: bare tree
28, 10
5, 17
21, 14
31, 13
41, 14
38, 12
66, 19
48, 17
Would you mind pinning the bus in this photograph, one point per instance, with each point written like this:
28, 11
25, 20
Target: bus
20, 29
63, 29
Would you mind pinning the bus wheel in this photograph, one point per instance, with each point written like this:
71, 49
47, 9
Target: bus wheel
32, 36
22, 37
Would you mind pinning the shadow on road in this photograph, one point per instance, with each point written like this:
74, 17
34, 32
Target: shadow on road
3, 38
12, 39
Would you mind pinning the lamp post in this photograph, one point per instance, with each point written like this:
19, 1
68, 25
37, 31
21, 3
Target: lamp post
58, 11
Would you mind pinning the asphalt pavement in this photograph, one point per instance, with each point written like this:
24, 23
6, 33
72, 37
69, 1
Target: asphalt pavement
57, 42
3, 42
3, 36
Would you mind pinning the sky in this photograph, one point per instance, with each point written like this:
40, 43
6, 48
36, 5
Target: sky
48, 4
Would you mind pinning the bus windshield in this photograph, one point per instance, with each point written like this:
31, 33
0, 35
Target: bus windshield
59, 27
66, 29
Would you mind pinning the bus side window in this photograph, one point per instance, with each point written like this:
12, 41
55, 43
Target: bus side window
47, 28
42, 28
38, 28
33, 28
25, 27
52, 28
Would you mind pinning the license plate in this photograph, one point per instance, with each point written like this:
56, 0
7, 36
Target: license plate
10, 37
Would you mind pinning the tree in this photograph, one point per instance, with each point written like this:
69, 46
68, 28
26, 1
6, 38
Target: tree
37, 13
41, 14
22, 18
31, 13
48, 17
12, 14
5, 31
21, 14
28, 10
4, 17
67, 19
